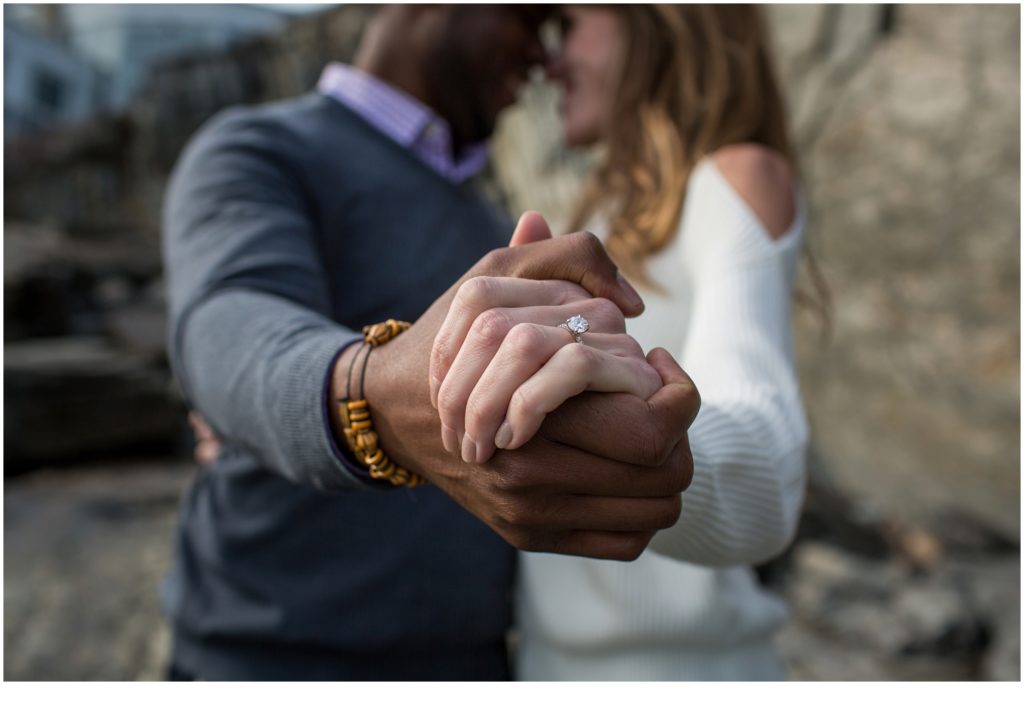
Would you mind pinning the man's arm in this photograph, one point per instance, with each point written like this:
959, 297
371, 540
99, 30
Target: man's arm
251, 341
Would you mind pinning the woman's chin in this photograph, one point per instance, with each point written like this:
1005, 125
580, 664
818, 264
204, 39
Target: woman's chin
577, 137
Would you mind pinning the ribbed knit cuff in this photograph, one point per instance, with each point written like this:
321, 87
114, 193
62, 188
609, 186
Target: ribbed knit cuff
311, 440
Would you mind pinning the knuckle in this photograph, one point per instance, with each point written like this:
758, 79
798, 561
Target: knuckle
608, 314
693, 403
474, 419
673, 509
516, 537
628, 552
682, 467
491, 327
586, 242
496, 260
477, 416
580, 358
523, 338
532, 541
440, 355
449, 405
682, 410
633, 347
510, 481
502, 505
475, 291
521, 517
481, 291
651, 378
676, 471
512, 515
627, 547
519, 405
635, 546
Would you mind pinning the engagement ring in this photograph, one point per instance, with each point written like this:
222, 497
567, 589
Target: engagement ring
577, 326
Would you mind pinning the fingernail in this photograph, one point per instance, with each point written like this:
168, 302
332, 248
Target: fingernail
468, 449
504, 437
631, 294
434, 387
479, 457
450, 440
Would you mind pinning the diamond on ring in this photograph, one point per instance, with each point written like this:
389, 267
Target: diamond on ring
577, 326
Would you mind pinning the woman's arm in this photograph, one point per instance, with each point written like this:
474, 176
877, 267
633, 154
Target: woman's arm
750, 438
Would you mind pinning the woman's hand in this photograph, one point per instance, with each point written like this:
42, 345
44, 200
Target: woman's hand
500, 363
207, 444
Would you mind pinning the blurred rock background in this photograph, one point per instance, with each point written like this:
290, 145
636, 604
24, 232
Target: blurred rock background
907, 121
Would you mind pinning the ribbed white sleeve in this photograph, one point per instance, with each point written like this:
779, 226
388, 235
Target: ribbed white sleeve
750, 438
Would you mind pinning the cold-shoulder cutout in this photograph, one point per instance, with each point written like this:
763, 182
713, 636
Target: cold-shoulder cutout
763, 178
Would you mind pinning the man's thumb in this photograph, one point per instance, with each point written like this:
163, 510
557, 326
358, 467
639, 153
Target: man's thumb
531, 227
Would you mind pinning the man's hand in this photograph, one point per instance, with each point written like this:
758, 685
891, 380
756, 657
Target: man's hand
605, 471
602, 476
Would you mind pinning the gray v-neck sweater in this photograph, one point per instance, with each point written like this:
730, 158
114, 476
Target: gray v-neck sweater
286, 228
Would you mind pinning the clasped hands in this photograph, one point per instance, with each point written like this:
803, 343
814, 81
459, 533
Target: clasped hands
500, 363
575, 448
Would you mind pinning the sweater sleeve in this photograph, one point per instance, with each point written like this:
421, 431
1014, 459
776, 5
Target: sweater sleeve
250, 338
750, 437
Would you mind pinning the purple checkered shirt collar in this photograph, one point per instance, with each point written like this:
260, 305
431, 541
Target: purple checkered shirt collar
402, 118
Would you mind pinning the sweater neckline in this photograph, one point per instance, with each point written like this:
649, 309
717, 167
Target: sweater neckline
459, 188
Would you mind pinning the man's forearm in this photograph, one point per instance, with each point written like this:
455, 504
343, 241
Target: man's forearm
254, 364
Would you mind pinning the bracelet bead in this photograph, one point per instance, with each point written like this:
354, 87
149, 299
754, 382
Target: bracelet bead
357, 425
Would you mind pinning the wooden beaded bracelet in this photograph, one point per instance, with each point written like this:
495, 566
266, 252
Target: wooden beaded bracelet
355, 413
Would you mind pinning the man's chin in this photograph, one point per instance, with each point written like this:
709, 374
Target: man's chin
511, 89
486, 123
476, 134
505, 98
495, 114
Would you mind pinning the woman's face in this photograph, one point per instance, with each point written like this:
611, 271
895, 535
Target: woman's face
587, 65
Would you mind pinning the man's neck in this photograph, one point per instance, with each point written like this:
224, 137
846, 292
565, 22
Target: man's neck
398, 75
400, 68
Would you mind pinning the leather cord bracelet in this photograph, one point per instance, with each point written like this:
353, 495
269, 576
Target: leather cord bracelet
355, 412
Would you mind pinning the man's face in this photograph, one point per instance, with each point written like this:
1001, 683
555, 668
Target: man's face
481, 58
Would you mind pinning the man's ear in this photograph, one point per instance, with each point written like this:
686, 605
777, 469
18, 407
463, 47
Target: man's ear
531, 228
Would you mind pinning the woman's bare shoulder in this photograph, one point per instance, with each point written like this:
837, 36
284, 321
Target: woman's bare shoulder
764, 179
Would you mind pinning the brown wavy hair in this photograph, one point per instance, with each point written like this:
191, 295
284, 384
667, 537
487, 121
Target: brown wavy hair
695, 78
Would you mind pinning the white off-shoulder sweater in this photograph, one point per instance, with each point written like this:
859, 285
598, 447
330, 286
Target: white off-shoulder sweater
690, 607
